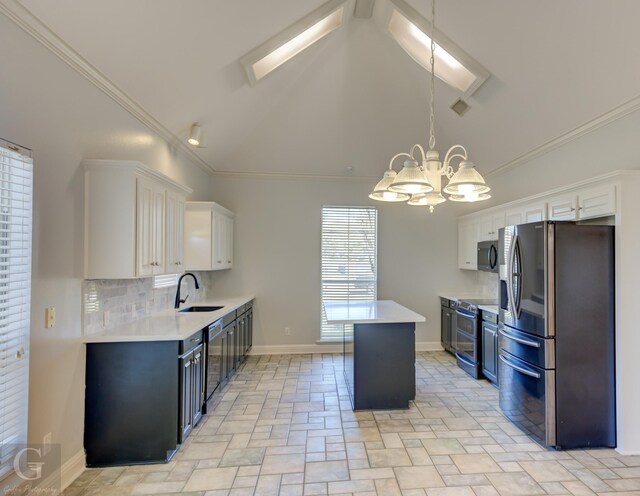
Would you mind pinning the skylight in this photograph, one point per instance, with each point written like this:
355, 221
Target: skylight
453, 65
272, 54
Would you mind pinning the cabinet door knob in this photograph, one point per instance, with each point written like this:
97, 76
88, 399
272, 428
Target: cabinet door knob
228, 261
219, 261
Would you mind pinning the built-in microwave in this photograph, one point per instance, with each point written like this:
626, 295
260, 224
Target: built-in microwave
488, 256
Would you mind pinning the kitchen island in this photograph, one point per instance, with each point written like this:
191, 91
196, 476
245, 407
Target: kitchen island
379, 350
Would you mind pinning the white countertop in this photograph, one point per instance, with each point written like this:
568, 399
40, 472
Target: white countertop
489, 308
369, 312
169, 325
466, 296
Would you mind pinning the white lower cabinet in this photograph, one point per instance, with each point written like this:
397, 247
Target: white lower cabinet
208, 236
131, 228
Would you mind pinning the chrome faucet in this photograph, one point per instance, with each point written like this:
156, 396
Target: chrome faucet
178, 300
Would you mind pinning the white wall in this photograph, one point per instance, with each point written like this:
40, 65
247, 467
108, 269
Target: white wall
49, 108
277, 253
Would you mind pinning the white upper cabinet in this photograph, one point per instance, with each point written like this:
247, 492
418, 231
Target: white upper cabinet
133, 220
525, 214
564, 208
489, 226
208, 236
597, 202
468, 245
175, 233
586, 203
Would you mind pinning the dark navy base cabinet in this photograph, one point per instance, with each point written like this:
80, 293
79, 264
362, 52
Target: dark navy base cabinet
131, 403
379, 365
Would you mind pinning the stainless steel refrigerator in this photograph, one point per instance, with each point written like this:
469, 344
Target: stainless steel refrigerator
556, 332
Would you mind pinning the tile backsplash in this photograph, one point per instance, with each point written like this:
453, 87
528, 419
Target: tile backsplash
488, 283
127, 300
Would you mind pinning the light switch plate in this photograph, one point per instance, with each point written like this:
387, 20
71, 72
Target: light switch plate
49, 317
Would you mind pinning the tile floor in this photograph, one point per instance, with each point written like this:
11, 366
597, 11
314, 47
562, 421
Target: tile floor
284, 426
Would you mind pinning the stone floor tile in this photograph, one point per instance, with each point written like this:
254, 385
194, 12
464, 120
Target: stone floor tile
418, 477
267, 485
326, 471
554, 488
443, 446
451, 491
211, 478
396, 457
547, 471
485, 491
475, 464
317, 488
282, 464
157, 487
515, 484
291, 490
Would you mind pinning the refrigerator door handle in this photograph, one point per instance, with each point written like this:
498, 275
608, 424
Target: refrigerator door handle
525, 342
519, 276
519, 369
511, 275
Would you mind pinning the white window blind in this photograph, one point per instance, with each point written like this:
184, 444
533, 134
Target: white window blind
349, 259
165, 281
16, 185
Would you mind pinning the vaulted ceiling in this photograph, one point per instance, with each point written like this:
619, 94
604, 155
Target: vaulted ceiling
356, 98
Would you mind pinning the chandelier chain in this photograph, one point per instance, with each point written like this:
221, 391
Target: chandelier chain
432, 113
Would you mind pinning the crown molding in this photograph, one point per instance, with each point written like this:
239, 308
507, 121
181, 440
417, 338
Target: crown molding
22, 17
601, 121
294, 176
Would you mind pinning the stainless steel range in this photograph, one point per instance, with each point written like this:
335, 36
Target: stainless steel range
468, 335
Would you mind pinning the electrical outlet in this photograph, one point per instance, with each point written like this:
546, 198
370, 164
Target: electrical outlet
46, 443
49, 317
287, 331
105, 318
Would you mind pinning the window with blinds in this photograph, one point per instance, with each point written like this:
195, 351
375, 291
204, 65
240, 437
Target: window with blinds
349, 259
16, 185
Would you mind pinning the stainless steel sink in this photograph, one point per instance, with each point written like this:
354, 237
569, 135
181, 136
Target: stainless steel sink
197, 308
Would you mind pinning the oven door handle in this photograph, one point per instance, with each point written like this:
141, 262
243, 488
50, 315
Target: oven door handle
519, 369
465, 360
469, 316
525, 342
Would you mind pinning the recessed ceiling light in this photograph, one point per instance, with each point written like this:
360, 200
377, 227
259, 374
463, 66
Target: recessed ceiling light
266, 58
452, 64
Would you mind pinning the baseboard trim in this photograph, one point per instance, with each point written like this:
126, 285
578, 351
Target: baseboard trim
429, 346
72, 469
297, 349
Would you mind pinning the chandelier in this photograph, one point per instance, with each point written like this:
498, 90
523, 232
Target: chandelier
419, 182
